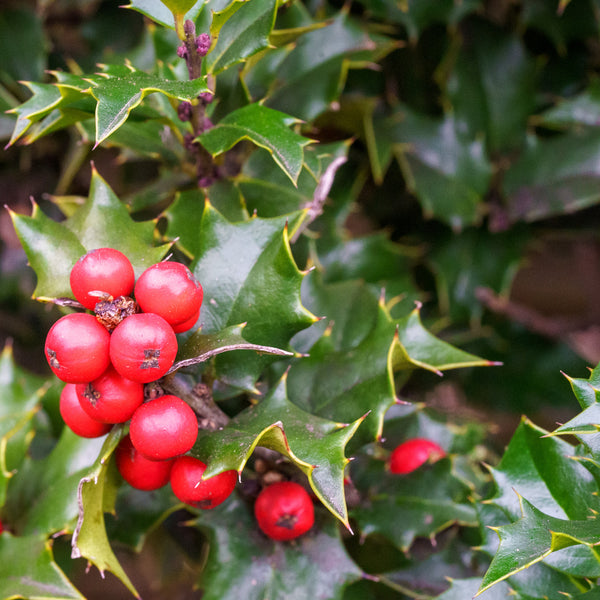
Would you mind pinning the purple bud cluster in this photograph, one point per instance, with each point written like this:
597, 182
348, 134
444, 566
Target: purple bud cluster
203, 44
184, 111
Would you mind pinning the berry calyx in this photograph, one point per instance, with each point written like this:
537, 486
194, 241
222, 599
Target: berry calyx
75, 418
143, 347
77, 348
187, 483
137, 470
99, 274
284, 511
164, 428
410, 455
111, 398
169, 289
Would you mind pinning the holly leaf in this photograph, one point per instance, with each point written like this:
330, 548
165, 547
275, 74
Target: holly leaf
529, 467
429, 500
240, 557
460, 589
118, 94
28, 570
241, 30
314, 445
96, 494
535, 536
587, 391
160, 13
102, 221
249, 276
581, 110
265, 127
199, 347
21, 393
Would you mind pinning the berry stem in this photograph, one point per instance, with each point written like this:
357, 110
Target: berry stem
199, 397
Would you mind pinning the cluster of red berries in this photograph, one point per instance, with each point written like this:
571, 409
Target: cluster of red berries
107, 357
412, 454
105, 360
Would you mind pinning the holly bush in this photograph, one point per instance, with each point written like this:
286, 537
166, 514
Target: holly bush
355, 186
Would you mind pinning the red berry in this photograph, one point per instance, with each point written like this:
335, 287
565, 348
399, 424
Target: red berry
169, 289
143, 347
413, 453
103, 270
163, 428
187, 325
187, 483
138, 471
76, 419
110, 398
77, 348
284, 510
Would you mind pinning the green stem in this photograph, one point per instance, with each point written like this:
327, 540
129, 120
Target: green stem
402, 589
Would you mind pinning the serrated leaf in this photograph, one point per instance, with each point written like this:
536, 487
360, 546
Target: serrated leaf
265, 127
587, 391
45, 97
461, 589
242, 561
96, 494
529, 467
241, 30
118, 94
28, 570
249, 276
429, 500
314, 445
102, 221
159, 13
51, 250
199, 347
533, 537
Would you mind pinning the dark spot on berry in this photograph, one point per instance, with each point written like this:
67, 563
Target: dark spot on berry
151, 357
92, 394
52, 359
287, 521
206, 503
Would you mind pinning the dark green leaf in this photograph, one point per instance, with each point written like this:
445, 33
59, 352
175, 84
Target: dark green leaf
461, 589
159, 13
242, 561
265, 127
583, 109
249, 276
28, 570
587, 391
245, 32
314, 445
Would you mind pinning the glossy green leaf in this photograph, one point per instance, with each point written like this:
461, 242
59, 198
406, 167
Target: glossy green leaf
249, 276
28, 570
315, 445
583, 109
492, 87
102, 221
118, 95
160, 13
535, 536
553, 177
96, 494
461, 589
587, 391
265, 127
311, 80
179, 6
529, 467
245, 32
242, 561
199, 347
430, 500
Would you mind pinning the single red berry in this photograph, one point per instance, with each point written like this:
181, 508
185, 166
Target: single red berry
138, 471
143, 347
169, 289
77, 348
111, 398
164, 428
284, 511
104, 271
187, 325
410, 455
75, 418
187, 483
